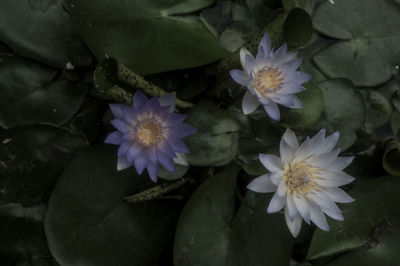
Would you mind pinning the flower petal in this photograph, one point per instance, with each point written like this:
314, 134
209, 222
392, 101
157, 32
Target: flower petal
243, 53
166, 161
265, 44
140, 164
301, 77
114, 138
139, 99
341, 162
276, 203
174, 119
292, 65
168, 100
294, 224
183, 130
334, 179
180, 159
330, 142
249, 103
124, 147
324, 160
318, 140
286, 152
177, 145
121, 125
282, 188
133, 152
152, 169
334, 214
318, 217
338, 195
250, 63
122, 163
262, 184
290, 138
273, 111
271, 162
302, 206
240, 77
290, 206
276, 177
117, 110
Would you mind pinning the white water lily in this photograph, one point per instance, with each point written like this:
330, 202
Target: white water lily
306, 180
271, 78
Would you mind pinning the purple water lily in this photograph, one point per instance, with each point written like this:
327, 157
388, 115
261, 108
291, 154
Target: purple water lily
271, 78
149, 133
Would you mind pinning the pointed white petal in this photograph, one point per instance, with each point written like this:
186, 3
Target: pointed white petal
290, 206
323, 201
324, 160
180, 159
273, 110
122, 163
294, 225
262, 184
338, 195
276, 177
276, 203
318, 140
318, 217
243, 53
286, 152
271, 162
303, 151
168, 100
290, 138
302, 206
282, 188
341, 162
249, 103
334, 179
334, 214
330, 142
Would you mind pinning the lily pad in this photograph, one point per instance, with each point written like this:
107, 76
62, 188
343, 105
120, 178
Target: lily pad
30, 96
313, 101
210, 232
147, 37
379, 111
344, 110
88, 224
216, 141
43, 31
391, 157
368, 50
370, 232
31, 160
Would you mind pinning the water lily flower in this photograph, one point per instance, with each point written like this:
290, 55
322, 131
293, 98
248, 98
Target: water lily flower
149, 133
271, 78
306, 180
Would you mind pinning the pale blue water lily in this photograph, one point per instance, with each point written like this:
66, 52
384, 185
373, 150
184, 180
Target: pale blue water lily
271, 78
306, 180
149, 133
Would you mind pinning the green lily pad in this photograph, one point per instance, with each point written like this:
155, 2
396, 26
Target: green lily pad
379, 111
370, 231
87, 223
147, 37
368, 51
216, 141
313, 101
395, 122
30, 96
21, 231
344, 110
298, 28
210, 232
31, 160
43, 31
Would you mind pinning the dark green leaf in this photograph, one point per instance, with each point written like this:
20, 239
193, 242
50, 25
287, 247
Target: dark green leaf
395, 122
370, 231
216, 141
298, 28
148, 37
313, 101
43, 31
211, 233
379, 110
369, 51
29, 95
87, 223
391, 157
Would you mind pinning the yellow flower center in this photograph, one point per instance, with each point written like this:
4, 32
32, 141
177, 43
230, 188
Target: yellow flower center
268, 80
300, 177
149, 132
